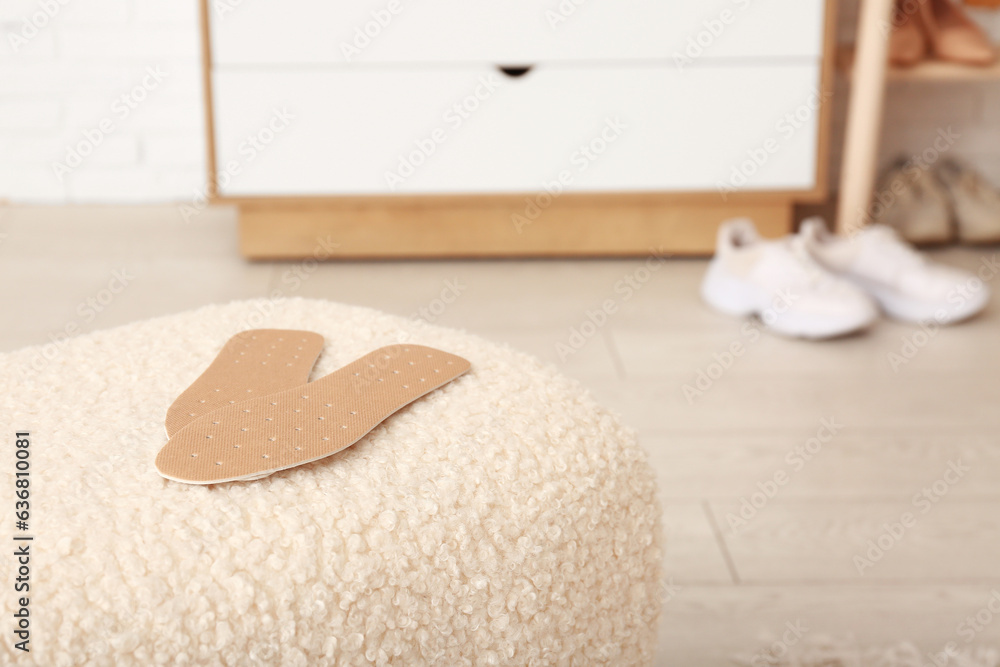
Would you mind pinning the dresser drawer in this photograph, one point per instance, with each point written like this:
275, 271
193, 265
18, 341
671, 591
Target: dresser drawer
470, 129
511, 32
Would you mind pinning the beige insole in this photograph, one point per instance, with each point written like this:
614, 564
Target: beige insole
251, 363
260, 436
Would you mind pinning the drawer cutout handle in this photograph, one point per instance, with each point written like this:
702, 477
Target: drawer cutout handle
515, 71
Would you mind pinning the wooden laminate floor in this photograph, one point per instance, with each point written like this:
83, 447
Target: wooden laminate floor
786, 474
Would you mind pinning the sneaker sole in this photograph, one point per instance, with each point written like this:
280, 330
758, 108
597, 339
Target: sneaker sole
739, 299
911, 310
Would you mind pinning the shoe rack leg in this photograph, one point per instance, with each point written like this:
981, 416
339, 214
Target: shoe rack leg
864, 114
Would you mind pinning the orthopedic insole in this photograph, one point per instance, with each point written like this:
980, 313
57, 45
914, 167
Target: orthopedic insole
257, 437
251, 363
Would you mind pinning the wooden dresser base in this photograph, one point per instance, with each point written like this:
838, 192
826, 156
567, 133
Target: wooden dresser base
437, 227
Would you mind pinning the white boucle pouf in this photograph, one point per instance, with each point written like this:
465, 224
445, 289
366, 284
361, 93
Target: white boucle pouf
505, 519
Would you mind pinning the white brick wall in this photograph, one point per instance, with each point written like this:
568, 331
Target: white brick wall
65, 66
64, 79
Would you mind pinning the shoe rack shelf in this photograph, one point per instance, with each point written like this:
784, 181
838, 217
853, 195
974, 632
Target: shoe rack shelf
867, 66
929, 70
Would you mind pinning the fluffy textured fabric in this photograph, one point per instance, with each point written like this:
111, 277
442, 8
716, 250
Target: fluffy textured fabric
506, 519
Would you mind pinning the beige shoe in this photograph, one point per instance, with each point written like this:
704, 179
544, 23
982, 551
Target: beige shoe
906, 285
913, 201
907, 44
953, 35
976, 203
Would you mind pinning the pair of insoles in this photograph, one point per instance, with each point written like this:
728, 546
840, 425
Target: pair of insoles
253, 413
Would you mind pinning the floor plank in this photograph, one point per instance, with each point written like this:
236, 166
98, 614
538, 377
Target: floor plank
710, 625
874, 465
692, 548
945, 538
796, 402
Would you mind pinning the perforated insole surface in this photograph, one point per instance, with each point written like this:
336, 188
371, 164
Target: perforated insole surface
255, 438
251, 363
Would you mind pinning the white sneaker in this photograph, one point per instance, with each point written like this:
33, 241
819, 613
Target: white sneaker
904, 283
780, 283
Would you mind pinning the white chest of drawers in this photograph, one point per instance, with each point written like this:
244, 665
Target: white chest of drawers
467, 127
